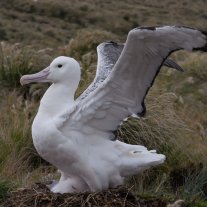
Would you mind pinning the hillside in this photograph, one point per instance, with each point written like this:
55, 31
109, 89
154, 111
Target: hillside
33, 32
52, 23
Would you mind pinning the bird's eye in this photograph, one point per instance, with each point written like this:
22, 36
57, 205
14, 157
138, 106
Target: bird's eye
60, 66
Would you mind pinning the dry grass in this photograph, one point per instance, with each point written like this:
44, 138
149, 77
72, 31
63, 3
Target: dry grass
17, 154
39, 195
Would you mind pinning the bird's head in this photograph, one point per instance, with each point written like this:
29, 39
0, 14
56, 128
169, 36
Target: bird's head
61, 70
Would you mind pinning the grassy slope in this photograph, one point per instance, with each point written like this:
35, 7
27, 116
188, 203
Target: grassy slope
176, 122
53, 23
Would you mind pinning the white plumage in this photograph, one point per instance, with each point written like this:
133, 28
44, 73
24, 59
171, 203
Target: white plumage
77, 135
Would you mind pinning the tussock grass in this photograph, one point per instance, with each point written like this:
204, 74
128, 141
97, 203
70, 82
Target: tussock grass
5, 187
195, 184
17, 155
15, 61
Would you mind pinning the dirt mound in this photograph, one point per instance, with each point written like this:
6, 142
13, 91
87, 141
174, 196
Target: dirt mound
40, 196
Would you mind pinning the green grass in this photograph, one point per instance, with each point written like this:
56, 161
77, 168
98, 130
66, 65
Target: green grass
5, 187
201, 204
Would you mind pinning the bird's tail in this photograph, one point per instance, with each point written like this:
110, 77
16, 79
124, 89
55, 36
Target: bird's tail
136, 158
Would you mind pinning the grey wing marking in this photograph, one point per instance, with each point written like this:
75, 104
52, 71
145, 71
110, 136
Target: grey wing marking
108, 54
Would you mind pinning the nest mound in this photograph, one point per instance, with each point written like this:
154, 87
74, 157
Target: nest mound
40, 196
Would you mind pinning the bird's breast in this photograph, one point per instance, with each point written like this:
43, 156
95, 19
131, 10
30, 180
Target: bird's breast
45, 138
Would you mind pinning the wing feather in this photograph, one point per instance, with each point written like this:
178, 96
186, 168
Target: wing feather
123, 91
108, 54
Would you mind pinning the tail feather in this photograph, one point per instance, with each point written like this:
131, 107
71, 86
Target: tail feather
135, 161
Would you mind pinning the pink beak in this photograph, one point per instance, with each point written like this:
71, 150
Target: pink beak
36, 77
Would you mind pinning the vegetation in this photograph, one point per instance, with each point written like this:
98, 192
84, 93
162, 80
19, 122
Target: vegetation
46, 23
32, 33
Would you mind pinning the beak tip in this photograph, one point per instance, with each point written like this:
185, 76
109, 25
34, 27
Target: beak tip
36, 77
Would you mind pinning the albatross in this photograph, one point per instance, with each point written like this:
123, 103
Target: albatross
77, 136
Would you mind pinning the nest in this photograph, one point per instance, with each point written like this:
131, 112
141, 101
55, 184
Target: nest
40, 196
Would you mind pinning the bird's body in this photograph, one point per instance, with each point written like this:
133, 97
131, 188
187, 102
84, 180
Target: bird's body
77, 136
99, 164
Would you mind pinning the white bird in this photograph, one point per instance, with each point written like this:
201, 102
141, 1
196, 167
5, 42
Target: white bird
77, 136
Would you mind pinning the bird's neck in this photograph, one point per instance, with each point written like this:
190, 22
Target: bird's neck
57, 99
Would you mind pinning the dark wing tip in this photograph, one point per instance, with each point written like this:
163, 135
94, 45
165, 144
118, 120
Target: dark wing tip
171, 64
204, 48
111, 42
149, 28
143, 112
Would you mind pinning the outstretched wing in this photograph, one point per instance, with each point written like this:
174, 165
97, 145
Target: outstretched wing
123, 92
108, 54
